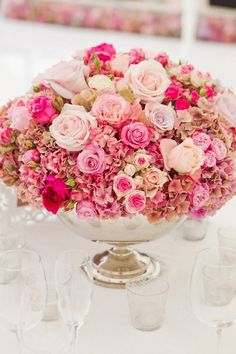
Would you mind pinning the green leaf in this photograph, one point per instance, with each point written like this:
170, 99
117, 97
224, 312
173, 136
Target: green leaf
96, 61
70, 182
4, 149
10, 168
127, 95
32, 164
70, 205
36, 89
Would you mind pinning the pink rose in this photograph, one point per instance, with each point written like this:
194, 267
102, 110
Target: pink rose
66, 78
181, 104
123, 185
172, 92
194, 96
210, 159
71, 129
19, 115
54, 194
6, 135
219, 148
163, 58
42, 110
199, 197
111, 108
202, 140
136, 55
86, 210
187, 69
32, 155
148, 80
162, 116
184, 158
141, 160
135, 135
135, 202
225, 108
154, 178
104, 52
92, 160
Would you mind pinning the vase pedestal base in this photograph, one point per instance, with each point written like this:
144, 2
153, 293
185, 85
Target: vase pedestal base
115, 267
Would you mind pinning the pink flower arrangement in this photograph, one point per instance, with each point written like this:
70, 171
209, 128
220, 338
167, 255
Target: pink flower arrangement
111, 134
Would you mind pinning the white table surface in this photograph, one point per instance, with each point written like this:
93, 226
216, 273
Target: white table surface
26, 49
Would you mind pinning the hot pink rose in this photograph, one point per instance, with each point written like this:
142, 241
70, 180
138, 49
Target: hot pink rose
135, 135
32, 155
86, 210
123, 185
42, 110
172, 92
67, 78
163, 58
54, 194
162, 116
135, 202
104, 52
136, 55
202, 140
184, 158
19, 115
210, 159
111, 108
225, 108
71, 129
148, 80
181, 104
199, 197
92, 160
219, 148
6, 136
194, 96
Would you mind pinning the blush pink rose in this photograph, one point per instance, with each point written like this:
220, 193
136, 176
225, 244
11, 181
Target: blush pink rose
123, 185
32, 155
54, 194
19, 116
6, 135
111, 108
210, 159
120, 63
141, 160
202, 140
135, 135
181, 104
185, 158
104, 52
66, 78
92, 160
71, 129
219, 148
135, 202
154, 178
225, 108
42, 110
162, 116
148, 80
86, 210
199, 197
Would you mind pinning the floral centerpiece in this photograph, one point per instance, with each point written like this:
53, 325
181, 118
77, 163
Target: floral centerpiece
118, 134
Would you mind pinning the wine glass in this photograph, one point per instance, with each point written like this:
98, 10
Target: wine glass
22, 291
74, 289
213, 288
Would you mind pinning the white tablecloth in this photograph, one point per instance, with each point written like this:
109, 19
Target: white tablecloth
26, 49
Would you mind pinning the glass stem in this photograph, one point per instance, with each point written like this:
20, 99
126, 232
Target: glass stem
218, 339
74, 338
19, 341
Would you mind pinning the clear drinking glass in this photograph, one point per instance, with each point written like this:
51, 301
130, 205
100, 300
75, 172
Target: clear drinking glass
147, 301
74, 289
212, 289
22, 291
227, 236
195, 229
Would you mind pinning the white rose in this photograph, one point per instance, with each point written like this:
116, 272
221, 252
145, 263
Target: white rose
148, 80
66, 78
162, 116
225, 108
197, 79
71, 129
130, 169
120, 63
101, 83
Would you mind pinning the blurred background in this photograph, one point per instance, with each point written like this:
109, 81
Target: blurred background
35, 34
